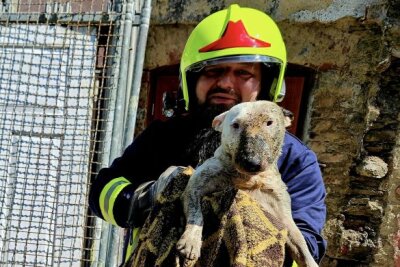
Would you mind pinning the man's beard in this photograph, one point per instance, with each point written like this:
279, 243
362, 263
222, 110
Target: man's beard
204, 145
207, 139
206, 112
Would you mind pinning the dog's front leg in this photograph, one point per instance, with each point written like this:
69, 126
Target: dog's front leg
278, 202
189, 245
206, 179
298, 247
295, 242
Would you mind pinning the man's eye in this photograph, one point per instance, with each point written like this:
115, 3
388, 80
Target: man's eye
213, 72
244, 73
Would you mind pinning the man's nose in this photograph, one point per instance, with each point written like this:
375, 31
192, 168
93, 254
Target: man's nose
226, 80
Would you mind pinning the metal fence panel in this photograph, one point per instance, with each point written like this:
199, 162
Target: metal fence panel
59, 62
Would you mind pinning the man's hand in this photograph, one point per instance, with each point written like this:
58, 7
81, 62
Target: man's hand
146, 195
164, 179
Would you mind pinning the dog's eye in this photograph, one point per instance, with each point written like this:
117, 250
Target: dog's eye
269, 123
235, 125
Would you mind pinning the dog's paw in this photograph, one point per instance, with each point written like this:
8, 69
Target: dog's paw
189, 248
184, 262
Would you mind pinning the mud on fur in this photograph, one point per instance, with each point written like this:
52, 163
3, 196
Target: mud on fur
252, 135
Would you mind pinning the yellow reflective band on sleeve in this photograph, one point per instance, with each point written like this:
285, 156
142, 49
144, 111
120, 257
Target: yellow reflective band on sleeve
133, 242
108, 195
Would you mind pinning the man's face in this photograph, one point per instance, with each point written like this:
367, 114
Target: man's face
228, 84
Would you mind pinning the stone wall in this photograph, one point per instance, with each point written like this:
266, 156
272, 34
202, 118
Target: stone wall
353, 116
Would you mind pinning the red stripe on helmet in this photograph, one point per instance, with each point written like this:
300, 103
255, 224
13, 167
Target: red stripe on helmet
235, 35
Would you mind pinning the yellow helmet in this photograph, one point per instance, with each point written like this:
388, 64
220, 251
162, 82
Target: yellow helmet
235, 34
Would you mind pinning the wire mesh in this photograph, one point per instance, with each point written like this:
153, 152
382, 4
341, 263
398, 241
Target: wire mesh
57, 73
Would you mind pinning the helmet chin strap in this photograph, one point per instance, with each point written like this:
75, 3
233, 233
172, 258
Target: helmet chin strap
282, 92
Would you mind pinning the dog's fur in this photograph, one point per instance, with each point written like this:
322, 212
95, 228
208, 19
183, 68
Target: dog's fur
252, 136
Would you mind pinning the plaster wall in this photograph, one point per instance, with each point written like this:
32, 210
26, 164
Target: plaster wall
353, 116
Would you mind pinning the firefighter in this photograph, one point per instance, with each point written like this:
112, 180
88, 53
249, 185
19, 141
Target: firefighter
233, 55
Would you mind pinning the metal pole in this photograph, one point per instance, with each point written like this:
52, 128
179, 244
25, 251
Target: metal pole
109, 248
137, 72
113, 71
118, 133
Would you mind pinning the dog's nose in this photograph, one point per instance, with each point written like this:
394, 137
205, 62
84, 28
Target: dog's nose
251, 165
251, 153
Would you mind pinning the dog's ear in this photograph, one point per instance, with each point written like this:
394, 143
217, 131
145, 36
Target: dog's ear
289, 117
217, 122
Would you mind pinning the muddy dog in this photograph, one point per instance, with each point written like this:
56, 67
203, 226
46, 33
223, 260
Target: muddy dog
252, 136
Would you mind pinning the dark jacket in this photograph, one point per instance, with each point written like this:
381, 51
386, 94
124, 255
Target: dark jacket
164, 144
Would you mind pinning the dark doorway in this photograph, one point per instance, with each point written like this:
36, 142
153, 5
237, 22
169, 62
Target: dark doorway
299, 81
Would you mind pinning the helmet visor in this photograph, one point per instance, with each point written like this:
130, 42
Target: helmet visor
197, 67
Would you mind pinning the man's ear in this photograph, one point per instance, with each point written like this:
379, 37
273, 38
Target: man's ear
217, 122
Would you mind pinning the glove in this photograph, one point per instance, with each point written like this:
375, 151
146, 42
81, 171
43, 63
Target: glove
165, 178
145, 196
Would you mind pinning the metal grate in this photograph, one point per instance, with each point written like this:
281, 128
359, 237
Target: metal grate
59, 67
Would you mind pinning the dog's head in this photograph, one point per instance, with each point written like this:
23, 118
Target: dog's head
252, 135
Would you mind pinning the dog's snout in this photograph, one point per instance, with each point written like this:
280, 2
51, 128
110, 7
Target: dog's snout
251, 165
250, 154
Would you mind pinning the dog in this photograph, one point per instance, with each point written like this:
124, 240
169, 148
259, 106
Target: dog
252, 135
